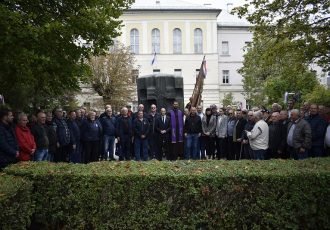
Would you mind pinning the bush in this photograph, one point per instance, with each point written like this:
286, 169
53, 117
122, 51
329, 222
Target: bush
274, 194
16, 205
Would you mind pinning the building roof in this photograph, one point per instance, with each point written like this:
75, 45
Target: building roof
171, 5
225, 19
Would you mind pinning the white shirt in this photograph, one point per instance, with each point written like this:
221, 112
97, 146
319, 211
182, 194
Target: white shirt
327, 137
259, 136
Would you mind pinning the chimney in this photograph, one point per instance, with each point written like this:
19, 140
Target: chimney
230, 6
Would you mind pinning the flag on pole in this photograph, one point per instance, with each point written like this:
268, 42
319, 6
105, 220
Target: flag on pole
153, 59
204, 67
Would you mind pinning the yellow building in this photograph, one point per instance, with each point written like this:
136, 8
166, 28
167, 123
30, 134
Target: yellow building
177, 35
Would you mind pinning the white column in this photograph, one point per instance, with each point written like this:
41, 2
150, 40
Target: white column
166, 38
145, 42
123, 35
209, 30
188, 49
215, 38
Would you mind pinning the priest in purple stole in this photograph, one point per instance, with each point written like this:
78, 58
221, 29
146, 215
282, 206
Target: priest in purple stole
176, 146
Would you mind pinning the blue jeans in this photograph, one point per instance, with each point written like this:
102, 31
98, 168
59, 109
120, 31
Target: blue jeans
138, 144
192, 146
40, 155
259, 154
108, 144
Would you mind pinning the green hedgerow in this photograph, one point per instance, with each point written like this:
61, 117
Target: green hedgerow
16, 205
275, 194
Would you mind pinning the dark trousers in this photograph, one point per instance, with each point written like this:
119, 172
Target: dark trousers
162, 149
176, 149
238, 149
221, 147
91, 151
316, 151
75, 156
125, 145
62, 153
296, 154
247, 152
207, 144
327, 152
152, 141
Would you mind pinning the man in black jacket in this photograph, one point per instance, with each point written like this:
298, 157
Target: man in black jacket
40, 133
163, 128
63, 137
141, 131
192, 131
237, 135
277, 137
152, 137
8, 143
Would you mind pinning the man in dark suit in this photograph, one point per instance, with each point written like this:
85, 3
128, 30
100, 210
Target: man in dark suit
163, 128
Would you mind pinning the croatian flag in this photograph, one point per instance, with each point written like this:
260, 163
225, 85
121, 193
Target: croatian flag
153, 59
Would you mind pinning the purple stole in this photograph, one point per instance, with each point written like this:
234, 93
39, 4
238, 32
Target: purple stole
173, 124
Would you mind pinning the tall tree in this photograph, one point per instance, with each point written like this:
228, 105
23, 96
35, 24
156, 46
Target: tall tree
305, 23
113, 75
267, 76
44, 44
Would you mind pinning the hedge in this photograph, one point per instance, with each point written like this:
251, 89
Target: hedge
273, 194
16, 206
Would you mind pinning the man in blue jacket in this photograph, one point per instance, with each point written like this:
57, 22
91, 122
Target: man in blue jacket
318, 126
63, 137
75, 153
8, 143
108, 122
141, 131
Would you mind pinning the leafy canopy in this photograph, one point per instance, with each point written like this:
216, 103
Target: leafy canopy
305, 23
44, 44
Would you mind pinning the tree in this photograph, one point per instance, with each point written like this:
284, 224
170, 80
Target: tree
320, 95
228, 99
267, 76
113, 75
305, 23
44, 44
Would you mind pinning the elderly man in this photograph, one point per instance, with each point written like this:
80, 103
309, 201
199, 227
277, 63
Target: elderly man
152, 136
246, 149
25, 139
259, 136
63, 137
318, 127
108, 122
299, 136
221, 133
163, 127
277, 135
124, 134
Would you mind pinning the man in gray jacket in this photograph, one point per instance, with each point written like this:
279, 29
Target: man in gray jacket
221, 133
299, 136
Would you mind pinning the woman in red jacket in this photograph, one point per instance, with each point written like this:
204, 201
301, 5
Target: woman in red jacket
25, 139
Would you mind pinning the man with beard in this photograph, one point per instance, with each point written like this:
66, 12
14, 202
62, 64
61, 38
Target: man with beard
176, 146
8, 143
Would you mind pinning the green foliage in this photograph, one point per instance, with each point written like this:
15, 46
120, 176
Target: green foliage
44, 45
305, 23
268, 75
15, 202
320, 95
228, 100
273, 194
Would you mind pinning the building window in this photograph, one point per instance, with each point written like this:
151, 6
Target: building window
225, 76
155, 38
198, 41
135, 75
178, 72
225, 48
134, 34
177, 41
156, 70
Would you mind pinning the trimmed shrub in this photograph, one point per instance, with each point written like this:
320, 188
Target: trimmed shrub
273, 194
16, 206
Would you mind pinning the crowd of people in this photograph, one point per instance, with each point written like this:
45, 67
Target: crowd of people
220, 133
